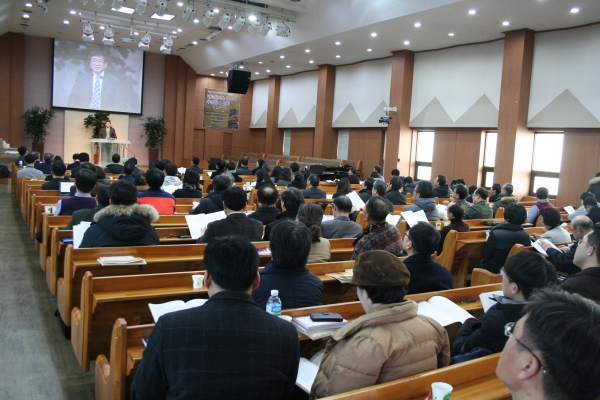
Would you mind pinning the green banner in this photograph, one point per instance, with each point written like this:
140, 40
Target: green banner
221, 110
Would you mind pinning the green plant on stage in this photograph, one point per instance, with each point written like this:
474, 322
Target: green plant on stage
36, 121
154, 130
97, 122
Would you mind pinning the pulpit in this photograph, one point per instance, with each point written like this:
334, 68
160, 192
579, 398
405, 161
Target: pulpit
103, 149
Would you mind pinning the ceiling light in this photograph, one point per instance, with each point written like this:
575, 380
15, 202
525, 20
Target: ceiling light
310, 61
472, 11
373, 34
196, 20
194, 42
124, 10
239, 23
99, 3
41, 4
337, 56
165, 17
216, 10
252, 17
136, 33
260, 62
337, 43
253, 25
66, 22
417, 24
116, 4
174, 32
256, 73
574, 10
141, 6
282, 56
26, 16
406, 42
180, 4
215, 32
179, 30
212, 74
268, 70
145, 41
102, 27
189, 11
88, 32
167, 44
161, 7
109, 36
369, 49
451, 34
283, 29
72, 12
225, 18
84, 2
506, 23
220, 72
265, 28
241, 66
28, 5
208, 17
288, 66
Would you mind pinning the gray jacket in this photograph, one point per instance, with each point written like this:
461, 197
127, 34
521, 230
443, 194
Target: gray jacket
427, 205
340, 227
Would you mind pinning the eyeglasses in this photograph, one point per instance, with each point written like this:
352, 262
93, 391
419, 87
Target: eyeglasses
586, 243
508, 331
407, 237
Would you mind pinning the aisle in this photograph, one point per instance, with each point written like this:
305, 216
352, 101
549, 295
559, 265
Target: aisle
36, 361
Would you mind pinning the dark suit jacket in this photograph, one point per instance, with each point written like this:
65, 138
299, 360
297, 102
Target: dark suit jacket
111, 96
235, 224
73, 165
195, 168
265, 214
105, 135
314, 193
226, 349
44, 167
397, 198
585, 283
54, 184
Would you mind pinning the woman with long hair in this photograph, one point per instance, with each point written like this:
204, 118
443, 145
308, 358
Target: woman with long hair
343, 187
311, 216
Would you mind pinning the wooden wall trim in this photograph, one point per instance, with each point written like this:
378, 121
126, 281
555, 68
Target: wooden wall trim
325, 137
170, 106
274, 137
12, 86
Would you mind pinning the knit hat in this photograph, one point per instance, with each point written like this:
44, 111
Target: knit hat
379, 268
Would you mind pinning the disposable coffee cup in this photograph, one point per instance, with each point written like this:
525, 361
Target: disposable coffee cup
441, 391
197, 281
286, 317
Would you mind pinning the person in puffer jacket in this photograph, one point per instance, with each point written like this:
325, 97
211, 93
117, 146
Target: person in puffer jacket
423, 200
506, 197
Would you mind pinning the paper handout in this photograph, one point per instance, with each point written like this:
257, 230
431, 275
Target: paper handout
78, 231
444, 311
158, 310
538, 246
488, 299
413, 218
569, 209
198, 222
357, 202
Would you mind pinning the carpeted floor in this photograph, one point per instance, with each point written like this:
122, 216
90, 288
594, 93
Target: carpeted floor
36, 361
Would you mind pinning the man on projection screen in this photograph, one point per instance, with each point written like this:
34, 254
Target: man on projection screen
98, 90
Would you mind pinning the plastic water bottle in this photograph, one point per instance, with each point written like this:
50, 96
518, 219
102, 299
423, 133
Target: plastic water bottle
274, 303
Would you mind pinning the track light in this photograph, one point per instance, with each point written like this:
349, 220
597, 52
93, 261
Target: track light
213, 34
283, 29
42, 5
239, 23
265, 28
99, 3
109, 36
116, 4
84, 2
167, 44
225, 18
161, 7
145, 41
189, 11
88, 32
253, 25
208, 17
141, 7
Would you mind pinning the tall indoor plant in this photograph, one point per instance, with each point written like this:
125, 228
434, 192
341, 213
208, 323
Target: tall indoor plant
35, 122
154, 130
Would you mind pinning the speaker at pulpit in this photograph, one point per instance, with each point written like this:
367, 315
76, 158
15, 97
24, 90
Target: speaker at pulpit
105, 148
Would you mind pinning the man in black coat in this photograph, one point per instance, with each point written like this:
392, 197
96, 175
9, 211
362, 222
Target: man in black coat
236, 222
195, 167
563, 257
228, 348
394, 195
367, 191
313, 192
58, 170
440, 188
291, 200
213, 202
267, 211
587, 282
243, 169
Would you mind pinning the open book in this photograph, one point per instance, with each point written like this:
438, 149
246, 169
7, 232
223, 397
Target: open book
488, 299
307, 371
413, 218
444, 311
158, 310
569, 209
316, 330
538, 246
198, 222
343, 277
392, 219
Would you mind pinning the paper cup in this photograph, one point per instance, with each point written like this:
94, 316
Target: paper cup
286, 317
197, 281
441, 391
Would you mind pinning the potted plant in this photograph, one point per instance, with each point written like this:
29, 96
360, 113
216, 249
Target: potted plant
97, 122
36, 121
154, 130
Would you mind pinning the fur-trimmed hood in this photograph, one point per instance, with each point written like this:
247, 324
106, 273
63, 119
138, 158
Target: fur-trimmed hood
594, 181
127, 211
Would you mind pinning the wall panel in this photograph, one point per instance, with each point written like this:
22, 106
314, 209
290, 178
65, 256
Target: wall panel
12, 82
257, 140
457, 154
302, 142
366, 145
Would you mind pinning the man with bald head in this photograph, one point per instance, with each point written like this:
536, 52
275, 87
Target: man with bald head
580, 226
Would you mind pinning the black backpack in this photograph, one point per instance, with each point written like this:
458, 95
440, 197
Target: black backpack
4, 172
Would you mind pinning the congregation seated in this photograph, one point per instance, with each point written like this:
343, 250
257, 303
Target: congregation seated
379, 189
236, 222
459, 194
423, 200
552, 351
115, 167
409, 185
343, 188
83, 158
587, 282
313, 192
243, 167
20, 160
29, 170
87, 215
124, 222
164, 202
353, 176
542, 203
496, 193
455, 215
393, 192
220, 169
287, 272
266, 211
194, 167
551, 221
58, 170
299, 181
262, 179
191, 188
140, 183
390, 341
593, 209
101, 175
45, 166
291, 200
171, 178
469, 198
522, 274
341, 226
367, 190
259, 164
311, 216
85, 182
213, 202
128, 173
190, 352
563, 257
230, 168
285, 177
503, 237
480, 208
506, 197
426, 275
91, 167
581, 210
379, 235
440, 187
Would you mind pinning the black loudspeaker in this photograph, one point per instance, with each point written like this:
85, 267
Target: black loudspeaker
238, 81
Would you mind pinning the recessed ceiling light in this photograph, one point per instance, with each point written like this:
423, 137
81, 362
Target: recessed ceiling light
373, 34
27, 4
337, 56
260, 62
136, 33
311, 61
241, 66
180, 4
72, 12
252, 17
506, 23
230, 27
165, 17
406, 42
196, 20
179, 29
282, 56
66, 22
451, 34
574, 10
25, 15
212, 74
417, 24
307, 51
215, 10
288, 66
256, 73
221, 72
124, 10
337, 43
369, 49
102, 27
194, 43
472, 11
268, 70
174, 32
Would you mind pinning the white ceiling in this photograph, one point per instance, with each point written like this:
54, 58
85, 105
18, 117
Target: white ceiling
318, 25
